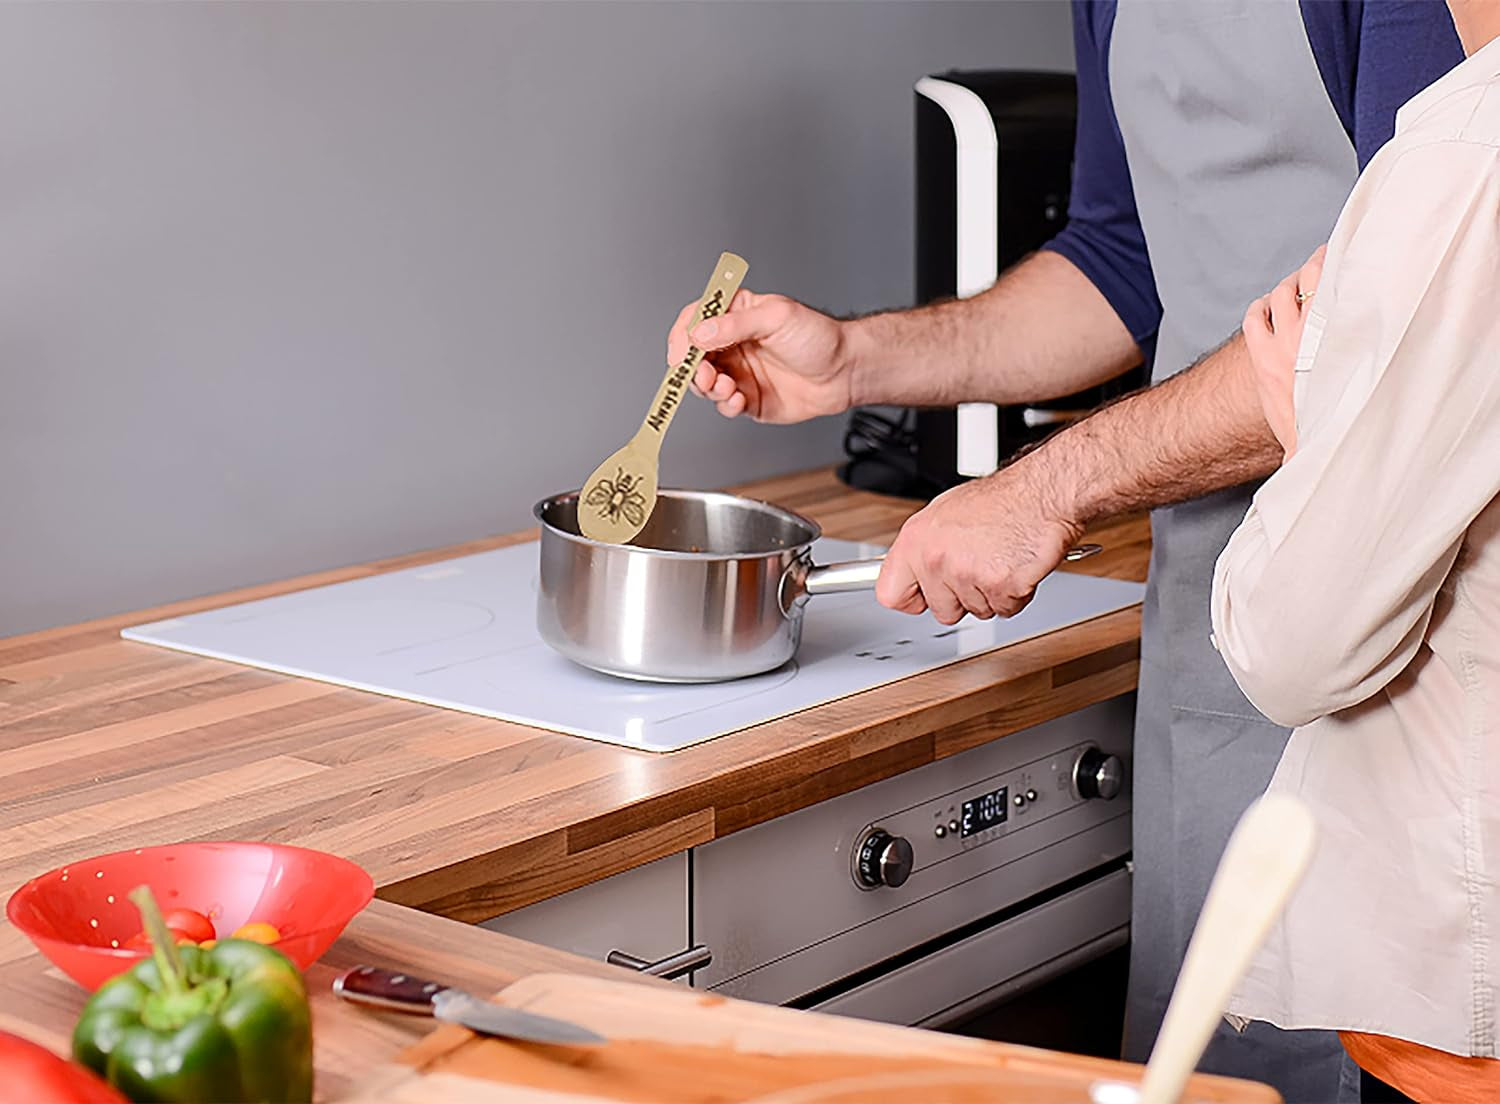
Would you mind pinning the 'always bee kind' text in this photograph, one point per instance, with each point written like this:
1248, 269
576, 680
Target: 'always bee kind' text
677, 381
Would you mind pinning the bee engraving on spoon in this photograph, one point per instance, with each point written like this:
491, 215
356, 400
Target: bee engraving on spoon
618, 496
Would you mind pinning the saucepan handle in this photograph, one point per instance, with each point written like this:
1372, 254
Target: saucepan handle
803, 579
837, 578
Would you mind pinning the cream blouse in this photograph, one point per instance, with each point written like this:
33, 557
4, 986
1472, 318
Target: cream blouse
1360, 598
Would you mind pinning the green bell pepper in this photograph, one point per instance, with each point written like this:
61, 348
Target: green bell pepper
228, 1025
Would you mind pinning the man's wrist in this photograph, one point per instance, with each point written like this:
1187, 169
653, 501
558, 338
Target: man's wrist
854, 355
1044, 474
1071, 490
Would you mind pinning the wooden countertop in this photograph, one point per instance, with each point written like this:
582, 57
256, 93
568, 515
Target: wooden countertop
107, 744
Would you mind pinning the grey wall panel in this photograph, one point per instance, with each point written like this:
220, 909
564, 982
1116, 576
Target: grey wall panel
286, 286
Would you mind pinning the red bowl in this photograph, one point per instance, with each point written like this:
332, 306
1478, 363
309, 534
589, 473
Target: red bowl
80, 915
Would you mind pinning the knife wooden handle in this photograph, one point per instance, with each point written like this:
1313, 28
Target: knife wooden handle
387, 989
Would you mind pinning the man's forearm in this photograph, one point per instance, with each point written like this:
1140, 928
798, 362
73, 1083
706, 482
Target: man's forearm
1042, 331
1199, 432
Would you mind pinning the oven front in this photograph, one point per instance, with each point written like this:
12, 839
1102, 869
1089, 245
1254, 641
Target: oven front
936, 895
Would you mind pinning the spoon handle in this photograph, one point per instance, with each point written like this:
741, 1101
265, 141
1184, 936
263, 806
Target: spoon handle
717, 297
1264, 861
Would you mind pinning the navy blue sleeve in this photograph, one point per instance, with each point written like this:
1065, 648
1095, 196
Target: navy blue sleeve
1374, 56
1103, 237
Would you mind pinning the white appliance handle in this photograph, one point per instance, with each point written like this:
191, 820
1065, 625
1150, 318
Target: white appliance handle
977, 172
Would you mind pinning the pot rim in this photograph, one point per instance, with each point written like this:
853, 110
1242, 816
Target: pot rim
781, 512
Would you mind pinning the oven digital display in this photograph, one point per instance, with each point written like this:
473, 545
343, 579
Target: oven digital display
984, 811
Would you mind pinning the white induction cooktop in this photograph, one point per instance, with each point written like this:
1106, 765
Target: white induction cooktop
461, 634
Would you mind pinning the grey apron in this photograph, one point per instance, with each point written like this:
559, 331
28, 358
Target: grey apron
1240, 167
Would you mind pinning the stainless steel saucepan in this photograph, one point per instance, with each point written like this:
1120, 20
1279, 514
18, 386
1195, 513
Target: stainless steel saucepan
712, 588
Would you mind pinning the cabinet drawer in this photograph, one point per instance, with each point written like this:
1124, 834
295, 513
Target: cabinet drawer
643, 912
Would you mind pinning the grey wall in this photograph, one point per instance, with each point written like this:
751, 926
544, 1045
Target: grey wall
286, 286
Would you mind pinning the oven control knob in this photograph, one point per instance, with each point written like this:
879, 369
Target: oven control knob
1098, 774
883, 859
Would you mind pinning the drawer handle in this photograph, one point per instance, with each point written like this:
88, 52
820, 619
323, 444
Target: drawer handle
671, 967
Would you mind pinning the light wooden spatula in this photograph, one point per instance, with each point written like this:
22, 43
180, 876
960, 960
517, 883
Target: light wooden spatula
1265, 859
618, 498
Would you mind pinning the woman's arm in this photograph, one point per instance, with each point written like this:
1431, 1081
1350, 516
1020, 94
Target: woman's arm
1324, 593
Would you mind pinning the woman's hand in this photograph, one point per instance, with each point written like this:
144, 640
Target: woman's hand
1273, 331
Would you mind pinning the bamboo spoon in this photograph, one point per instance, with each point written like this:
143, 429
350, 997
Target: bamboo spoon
1266, 858
619, 496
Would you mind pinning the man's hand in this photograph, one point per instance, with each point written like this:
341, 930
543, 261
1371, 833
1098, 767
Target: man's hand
770, 357
980, 548
1273, 331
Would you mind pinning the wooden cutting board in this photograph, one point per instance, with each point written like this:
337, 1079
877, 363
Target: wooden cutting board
670, 1045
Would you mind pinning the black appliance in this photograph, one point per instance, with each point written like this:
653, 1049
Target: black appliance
994, 161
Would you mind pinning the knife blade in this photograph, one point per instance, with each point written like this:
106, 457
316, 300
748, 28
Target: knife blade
379, 988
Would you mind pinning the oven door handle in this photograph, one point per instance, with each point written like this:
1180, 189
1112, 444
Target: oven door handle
672, 967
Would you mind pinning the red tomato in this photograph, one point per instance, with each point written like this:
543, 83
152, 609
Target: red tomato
194, 925
140, 941
34, 1074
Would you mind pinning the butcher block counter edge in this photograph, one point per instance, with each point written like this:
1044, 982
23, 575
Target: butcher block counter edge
463, 816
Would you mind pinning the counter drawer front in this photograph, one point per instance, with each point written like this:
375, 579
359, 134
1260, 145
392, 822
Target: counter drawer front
643, 912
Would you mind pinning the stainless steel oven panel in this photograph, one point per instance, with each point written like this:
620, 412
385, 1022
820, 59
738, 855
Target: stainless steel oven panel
809, 967
948, 826
785, 886
961, 979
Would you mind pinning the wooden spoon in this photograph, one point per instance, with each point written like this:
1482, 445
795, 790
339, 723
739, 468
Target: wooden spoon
618, 498
1266, 858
